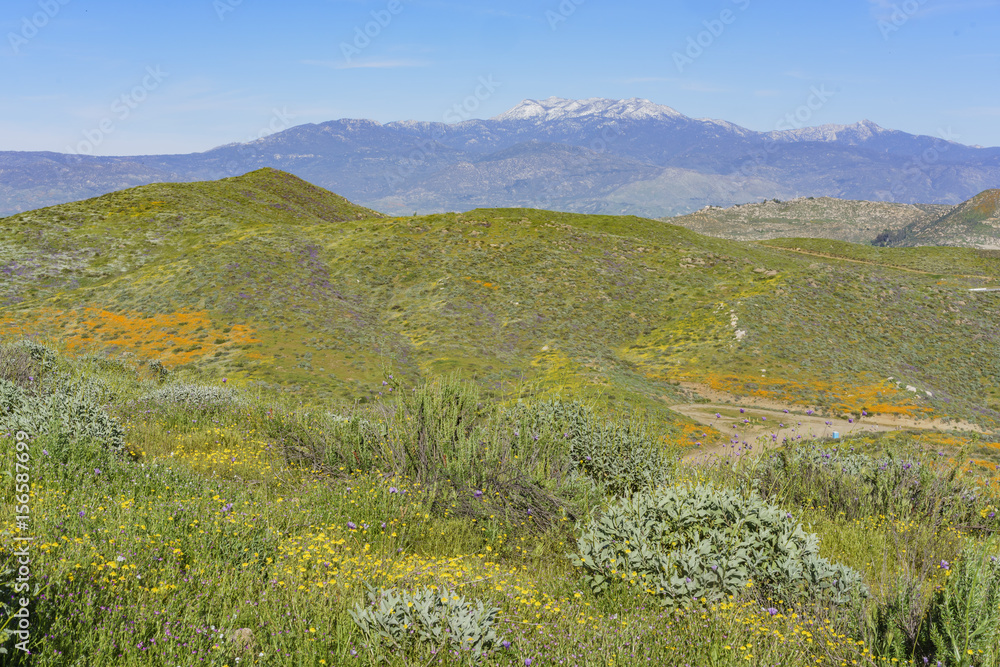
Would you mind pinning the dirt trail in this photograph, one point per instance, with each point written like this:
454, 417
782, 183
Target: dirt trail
770, 422
864, 261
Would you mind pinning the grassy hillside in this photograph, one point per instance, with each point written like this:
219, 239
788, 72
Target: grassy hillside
973, 223
270, 428
269, 280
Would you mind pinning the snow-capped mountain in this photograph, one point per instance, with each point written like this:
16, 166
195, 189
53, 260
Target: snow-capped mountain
558, 109
855, 133
593, 155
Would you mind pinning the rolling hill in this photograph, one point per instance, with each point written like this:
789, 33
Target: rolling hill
271, 281
974, 223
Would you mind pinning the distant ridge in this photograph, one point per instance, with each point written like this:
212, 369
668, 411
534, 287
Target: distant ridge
594, 155
809, 217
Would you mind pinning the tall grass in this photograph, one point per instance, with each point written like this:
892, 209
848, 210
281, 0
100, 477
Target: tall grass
250, 528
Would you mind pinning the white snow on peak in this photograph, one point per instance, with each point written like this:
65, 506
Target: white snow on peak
860, 131
557, 109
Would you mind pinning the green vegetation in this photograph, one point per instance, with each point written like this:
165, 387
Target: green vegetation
240, 524
811, 217
272, 282
700, 544
260, 421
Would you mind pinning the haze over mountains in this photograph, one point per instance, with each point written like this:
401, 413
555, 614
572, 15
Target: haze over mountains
591, 156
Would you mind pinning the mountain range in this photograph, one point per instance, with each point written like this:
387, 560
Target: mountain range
590, 156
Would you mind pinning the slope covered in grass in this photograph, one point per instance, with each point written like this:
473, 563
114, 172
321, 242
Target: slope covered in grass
178, 523
267, 279
975, 223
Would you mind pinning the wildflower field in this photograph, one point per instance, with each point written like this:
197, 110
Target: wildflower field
206, 524
247, 422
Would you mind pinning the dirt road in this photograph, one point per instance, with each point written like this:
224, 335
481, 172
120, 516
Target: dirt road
767, 426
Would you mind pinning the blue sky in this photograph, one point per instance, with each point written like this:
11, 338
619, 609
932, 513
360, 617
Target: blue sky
123, 78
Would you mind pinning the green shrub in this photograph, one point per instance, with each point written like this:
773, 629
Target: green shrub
353, 441
555, 418
622, 458
18, 366
853, 485
117, 366
688, 543
963, 621
160, 371
43, 354
401, 619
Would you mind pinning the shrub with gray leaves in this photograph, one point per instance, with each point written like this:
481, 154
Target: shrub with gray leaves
621, 456
692, 542
401, 619
197, 397
72, 411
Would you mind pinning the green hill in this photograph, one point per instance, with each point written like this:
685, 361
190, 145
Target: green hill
267, 279
973, 223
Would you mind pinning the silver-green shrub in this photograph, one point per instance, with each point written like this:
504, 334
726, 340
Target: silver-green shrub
74, 411
855, 484
621, 457
401, 619
196, 397
43, 354
692, 542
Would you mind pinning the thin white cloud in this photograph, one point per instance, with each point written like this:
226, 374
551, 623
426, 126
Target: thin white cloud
366, 64
798, 74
